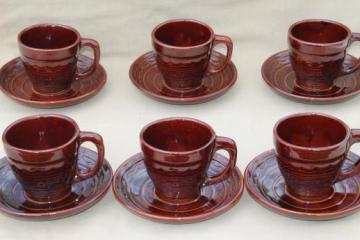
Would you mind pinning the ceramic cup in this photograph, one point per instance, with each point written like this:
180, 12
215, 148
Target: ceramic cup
311, 149
42, 151
183, 48
178, 152
317, 50
50, 52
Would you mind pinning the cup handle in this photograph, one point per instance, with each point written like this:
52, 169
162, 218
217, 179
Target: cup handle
228, 145
94, 45
355, 138
354, 37
218, 39
98, 141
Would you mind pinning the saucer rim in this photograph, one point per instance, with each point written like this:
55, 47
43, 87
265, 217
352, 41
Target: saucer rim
175, 220
182, 101
54, 215
300, 98
54, 103
286, 212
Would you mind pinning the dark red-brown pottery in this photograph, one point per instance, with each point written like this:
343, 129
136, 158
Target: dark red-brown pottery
280, 76
49, 53
317, 50
311, 174
84, 193
42, 151
183, 49
311, 149
265, 183
15, 83
145, 75
177, 153
134, 189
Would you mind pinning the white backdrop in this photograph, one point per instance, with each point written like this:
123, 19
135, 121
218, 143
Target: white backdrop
246, 113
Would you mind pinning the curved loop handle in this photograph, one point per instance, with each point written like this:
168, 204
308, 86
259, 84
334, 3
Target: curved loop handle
228, 145
355, 138
98, 141
354, 37
94, 45
218, 39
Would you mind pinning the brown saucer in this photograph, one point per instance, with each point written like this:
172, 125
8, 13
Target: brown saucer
15, 83
146, 76
84, 194
280, 76
135, 191
265, 184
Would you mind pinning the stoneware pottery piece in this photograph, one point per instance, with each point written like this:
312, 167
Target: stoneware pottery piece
183, 48
42, 152
49, 53
316, 68
176, 155
15, 83
265, 183
311, 150
84, 193
280, 76
317, 49
134, 190
146, 76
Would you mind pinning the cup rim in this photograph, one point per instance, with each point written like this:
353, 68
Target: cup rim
317, 149
293, 38
157, 41
23, 45
146, 127
34, 117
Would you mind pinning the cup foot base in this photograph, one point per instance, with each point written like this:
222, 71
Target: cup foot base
310, 199
317, 92
183, 90
52, 94
42, 202
177, 202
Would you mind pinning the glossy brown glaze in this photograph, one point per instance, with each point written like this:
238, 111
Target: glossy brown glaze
134, 189
84, 193
49, 53
15, 83
145, 75
42, 151
278, 73
311, 149
177, 153
183, 48
266, 185
317, 50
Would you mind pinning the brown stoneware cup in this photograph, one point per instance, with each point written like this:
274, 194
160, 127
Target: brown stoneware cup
317, 50
183, 48
42, 151
311, 149
50, 52
178, 152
